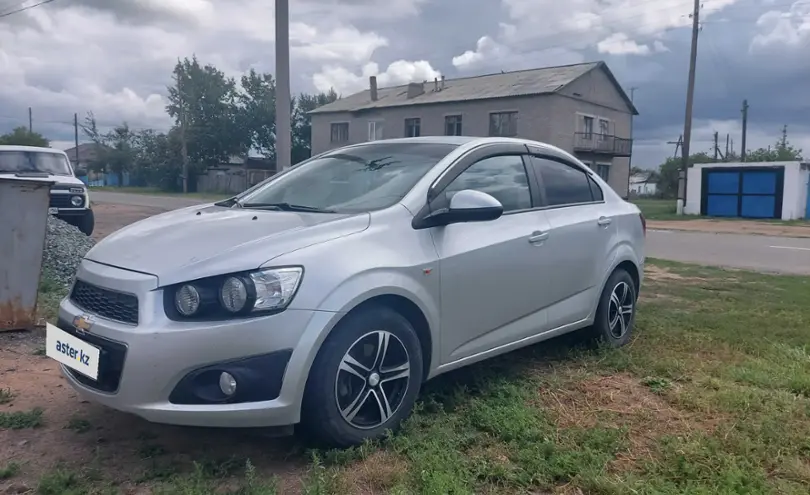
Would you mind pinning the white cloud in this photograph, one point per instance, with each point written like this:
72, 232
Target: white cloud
790, 28
342, 44
493, 55
345, 82
620, 44
616, 27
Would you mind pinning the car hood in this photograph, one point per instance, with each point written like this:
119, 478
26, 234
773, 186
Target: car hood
201, 241
58, 180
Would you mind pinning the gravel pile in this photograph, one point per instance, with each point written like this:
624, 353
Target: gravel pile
65, 246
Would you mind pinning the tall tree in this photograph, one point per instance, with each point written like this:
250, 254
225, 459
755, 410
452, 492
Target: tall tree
205, 100
21, 136
116, 149
302, 122
258, 107
668, 172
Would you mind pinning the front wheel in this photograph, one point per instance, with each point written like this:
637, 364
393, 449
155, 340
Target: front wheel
364, 380
613, 324
86, 222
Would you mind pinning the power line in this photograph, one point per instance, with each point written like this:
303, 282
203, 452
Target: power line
23, 9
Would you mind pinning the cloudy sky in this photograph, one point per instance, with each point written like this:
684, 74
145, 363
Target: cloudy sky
114, 57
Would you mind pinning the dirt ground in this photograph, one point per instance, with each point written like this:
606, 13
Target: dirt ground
733, 227
77, 436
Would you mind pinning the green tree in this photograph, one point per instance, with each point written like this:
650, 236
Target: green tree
21, 136
782, 151
116, 150
205, 101
302, 122
258, 109
668, 173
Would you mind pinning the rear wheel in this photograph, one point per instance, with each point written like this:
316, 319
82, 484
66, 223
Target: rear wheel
615, 315
364, 380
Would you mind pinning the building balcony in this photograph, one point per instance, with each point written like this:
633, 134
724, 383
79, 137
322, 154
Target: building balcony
602, 144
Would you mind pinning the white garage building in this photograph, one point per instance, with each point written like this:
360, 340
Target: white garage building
779, 190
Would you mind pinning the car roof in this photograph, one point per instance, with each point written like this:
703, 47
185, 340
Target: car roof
5, 147
461, 140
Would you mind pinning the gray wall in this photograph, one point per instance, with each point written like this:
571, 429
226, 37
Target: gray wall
549, 118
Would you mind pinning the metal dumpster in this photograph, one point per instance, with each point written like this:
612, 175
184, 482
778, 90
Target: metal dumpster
23, 223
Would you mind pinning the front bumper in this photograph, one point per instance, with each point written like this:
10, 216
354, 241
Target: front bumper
145, 363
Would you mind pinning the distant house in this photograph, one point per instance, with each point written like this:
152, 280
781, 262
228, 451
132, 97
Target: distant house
88, 152
643, 185
580, 108
237, 175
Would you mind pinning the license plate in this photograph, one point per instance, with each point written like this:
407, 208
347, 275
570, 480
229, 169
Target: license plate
71, 351
53, 211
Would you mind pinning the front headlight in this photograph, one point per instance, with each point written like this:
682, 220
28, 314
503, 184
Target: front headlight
238, 294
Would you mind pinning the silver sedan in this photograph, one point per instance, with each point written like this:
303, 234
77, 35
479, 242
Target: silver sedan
328, 294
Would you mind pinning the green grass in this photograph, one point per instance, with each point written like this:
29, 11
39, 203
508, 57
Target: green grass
9, 470
157, 192
712, 397
19, 420
659, 209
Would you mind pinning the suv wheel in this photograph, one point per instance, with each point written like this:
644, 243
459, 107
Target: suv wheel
613, 324
364, 380
87, 222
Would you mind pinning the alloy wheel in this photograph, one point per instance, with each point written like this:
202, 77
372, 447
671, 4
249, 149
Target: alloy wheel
372, 379
620, 310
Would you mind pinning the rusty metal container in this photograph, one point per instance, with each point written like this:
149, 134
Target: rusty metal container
23, 224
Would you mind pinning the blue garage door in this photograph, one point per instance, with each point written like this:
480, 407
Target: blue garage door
742, 192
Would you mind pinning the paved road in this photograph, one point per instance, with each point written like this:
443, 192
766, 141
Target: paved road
164, 202
754, 252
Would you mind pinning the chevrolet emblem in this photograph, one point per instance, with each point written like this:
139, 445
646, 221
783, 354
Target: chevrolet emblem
83, 323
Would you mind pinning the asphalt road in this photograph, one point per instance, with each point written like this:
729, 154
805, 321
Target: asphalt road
753, 252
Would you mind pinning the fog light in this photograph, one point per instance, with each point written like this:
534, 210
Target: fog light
227, 383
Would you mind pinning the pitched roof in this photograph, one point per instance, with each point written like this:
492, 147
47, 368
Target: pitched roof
501, 85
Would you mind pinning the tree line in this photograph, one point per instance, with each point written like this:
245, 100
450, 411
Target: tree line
218, 116
666, 176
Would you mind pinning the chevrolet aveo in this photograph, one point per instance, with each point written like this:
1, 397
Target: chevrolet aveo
328, 294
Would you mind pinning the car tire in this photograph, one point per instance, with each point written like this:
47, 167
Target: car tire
352, 395
86, 223
616, 312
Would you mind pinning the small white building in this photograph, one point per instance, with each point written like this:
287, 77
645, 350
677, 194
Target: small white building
642, 185
778, 190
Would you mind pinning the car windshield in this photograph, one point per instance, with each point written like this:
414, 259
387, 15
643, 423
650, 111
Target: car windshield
20, 162
350, 180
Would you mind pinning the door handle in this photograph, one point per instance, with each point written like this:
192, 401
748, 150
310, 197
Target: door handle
538, 237
603, 221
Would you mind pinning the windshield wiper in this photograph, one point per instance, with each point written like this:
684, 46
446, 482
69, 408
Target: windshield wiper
286, 207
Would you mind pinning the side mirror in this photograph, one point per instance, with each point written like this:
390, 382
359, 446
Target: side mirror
467, 205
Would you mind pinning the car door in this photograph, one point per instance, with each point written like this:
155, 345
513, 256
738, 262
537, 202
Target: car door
492, 273
580, 237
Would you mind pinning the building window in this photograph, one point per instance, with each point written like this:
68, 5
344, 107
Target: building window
375, 130
603, 171
503, 124
340, 132
604, 129
452, 125
412, 127
587, 126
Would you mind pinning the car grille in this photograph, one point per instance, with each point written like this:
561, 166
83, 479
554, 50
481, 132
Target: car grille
106, 303
111, 360
63, 201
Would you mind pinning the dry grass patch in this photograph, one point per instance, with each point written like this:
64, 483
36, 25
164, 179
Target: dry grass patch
379, 473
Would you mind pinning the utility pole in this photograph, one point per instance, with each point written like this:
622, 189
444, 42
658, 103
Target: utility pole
716, 150
677, 144
630, 159
283, 103
690, 96
725, 158
183, 143
744, 128
76, 137
30, 120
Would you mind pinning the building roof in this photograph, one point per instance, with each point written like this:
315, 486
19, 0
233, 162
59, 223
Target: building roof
501, 85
